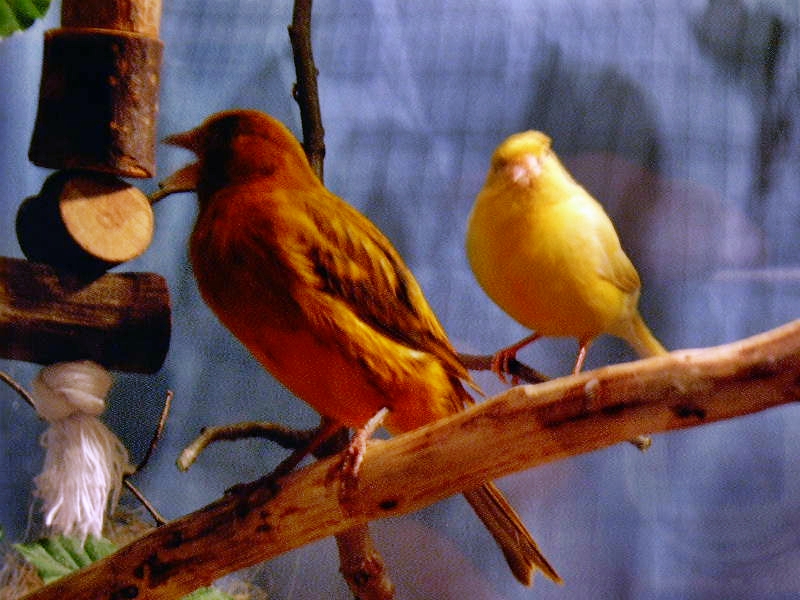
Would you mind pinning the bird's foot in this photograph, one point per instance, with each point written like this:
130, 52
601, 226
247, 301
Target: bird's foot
501, 362
353, 457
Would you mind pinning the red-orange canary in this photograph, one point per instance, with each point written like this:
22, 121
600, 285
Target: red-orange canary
321, 297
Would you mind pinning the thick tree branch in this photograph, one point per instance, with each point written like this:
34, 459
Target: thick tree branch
523, 427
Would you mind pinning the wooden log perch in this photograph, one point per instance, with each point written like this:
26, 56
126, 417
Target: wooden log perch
121, 320
521, 428
98, 98
134, 16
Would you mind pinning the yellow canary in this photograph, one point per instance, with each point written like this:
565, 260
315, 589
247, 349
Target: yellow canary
321, 297
546, 252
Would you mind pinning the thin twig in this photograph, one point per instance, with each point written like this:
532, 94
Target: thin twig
285, 437
12, 383
162, 422
306, 92
160, 520
475, 362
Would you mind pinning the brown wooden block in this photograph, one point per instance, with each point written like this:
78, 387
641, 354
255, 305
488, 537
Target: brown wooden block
135, 16
121, 320
98, 102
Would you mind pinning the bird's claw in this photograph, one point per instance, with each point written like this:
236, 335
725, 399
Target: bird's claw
501, 366
353, 456
348, 468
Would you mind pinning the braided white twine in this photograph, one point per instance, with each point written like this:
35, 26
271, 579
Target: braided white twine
84, 462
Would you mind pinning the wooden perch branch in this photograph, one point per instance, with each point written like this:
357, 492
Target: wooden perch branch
521, 428
475, 362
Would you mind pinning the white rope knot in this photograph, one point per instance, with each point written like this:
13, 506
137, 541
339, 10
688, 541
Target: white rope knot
85, 462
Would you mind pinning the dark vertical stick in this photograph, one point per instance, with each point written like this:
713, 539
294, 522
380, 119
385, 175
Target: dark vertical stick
306, 93
362, 565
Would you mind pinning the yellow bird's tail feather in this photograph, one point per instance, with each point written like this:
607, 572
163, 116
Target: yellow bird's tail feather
519, 548
642, 339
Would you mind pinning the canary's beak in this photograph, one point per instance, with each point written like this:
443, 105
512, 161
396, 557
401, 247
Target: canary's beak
182, 180
185, 179
188, 139
524, 169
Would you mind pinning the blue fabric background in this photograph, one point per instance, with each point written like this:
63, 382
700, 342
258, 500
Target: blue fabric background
679, 116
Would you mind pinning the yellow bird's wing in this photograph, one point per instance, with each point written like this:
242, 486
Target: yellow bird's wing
339, 252
612, 264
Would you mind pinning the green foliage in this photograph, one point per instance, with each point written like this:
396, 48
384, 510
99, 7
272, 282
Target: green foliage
16, 15
207, 594
55, 557
58, 556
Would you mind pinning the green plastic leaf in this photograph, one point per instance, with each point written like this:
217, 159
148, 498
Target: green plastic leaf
98, 548
59, 551
47, 566
55, 557
207, 593
16, 15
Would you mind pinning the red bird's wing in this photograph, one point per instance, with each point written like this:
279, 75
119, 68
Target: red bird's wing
349, 260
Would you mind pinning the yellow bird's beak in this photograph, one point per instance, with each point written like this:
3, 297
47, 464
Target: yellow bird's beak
524, 169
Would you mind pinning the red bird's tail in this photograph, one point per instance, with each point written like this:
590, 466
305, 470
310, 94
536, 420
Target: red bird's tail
502, 521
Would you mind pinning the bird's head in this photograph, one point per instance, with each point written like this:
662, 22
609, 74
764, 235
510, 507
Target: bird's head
521, 158
235, 146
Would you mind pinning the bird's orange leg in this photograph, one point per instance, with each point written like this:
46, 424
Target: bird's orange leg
353, 455
502, 358
582, 350
642, 442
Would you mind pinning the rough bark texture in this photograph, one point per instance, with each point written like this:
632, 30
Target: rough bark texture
524, 427
135, 16
98, 102
121, 321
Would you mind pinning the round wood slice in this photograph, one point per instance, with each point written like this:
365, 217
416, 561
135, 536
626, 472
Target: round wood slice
110, 219
85, 222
